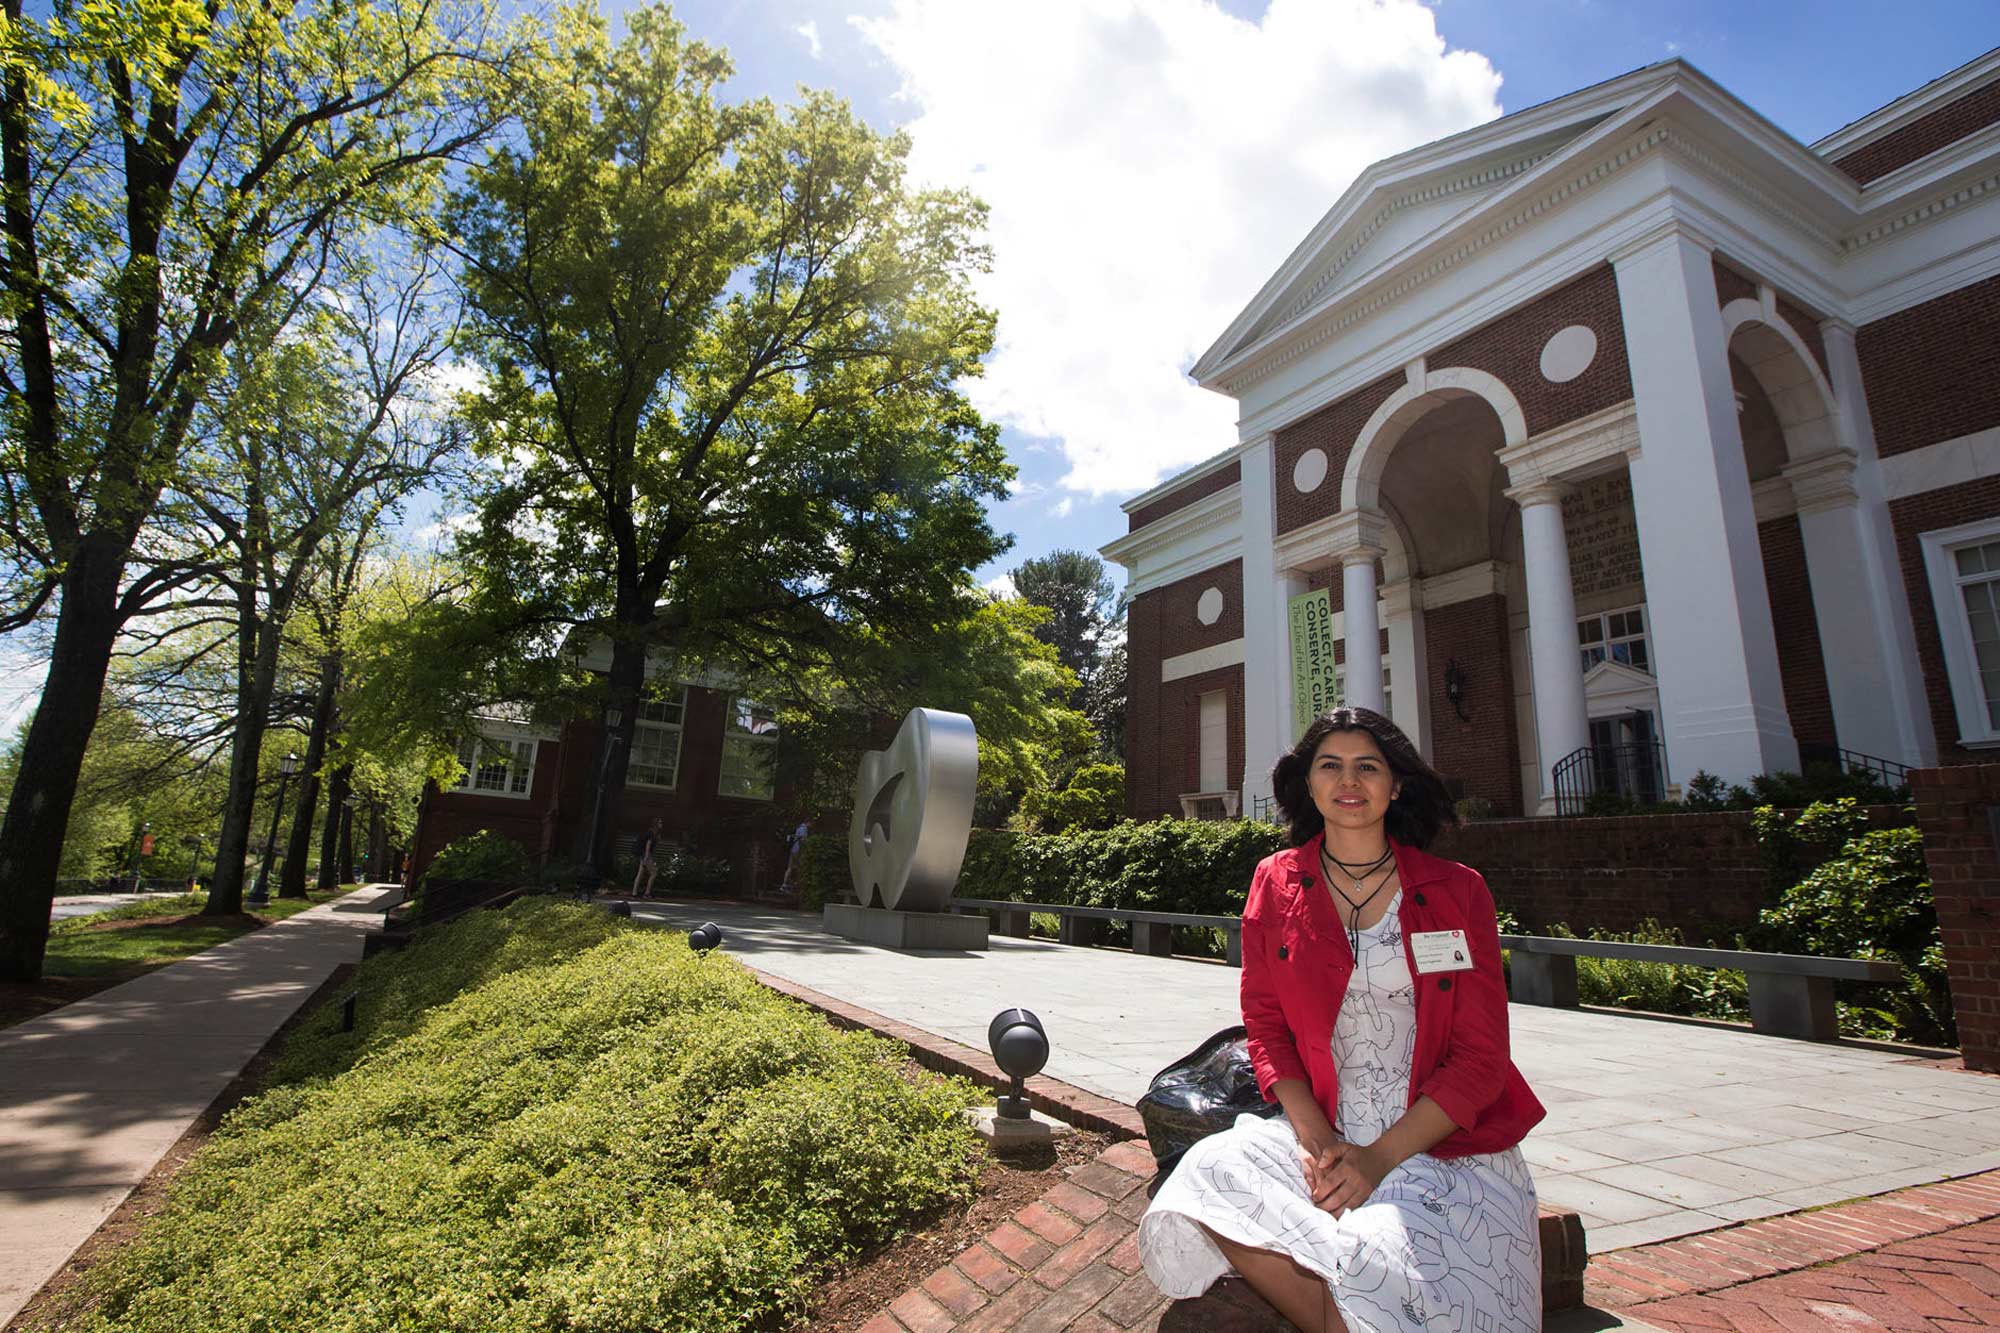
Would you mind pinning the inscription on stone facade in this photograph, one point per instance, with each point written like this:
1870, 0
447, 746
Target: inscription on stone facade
1603, 535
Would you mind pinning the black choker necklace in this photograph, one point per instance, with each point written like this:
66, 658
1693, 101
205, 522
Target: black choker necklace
1329, 860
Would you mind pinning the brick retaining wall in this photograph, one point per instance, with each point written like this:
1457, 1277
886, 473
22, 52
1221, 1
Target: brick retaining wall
1955, 810
1699, 872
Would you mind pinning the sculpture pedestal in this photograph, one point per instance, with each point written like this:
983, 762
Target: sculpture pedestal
892, 929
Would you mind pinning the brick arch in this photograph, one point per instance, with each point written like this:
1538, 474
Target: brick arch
1787, 371
1360, 484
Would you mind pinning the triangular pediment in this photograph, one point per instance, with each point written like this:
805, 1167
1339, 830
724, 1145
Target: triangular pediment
1609, 677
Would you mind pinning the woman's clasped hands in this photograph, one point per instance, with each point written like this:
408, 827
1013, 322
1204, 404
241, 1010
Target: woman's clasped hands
1341, 1175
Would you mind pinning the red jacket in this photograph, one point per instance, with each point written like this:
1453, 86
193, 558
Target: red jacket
1295, 968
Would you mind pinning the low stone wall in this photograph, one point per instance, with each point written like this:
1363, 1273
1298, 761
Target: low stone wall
1957, 809
1701, 872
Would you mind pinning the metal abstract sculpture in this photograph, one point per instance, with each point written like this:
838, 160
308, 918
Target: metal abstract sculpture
913, 813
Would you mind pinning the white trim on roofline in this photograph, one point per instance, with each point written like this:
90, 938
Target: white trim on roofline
1911, 106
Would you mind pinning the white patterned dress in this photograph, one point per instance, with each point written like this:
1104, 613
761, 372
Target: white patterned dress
1442, 1244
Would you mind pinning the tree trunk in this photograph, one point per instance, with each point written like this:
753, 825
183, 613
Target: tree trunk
378, 847
330, 859
257, 673
346, 840
31, 838
292, 878
626, 679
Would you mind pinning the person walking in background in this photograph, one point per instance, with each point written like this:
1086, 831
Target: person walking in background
1391, 1194
649, 866
790, 884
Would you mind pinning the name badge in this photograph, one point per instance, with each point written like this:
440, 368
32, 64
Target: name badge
1440, 951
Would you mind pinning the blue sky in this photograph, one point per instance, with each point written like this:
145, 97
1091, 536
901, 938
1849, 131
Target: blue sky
1149, 162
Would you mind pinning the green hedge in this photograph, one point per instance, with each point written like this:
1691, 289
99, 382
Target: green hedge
1168, 865
547, 1119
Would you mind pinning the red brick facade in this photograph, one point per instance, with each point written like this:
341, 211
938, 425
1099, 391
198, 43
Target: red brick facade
549, 821
1333, 428
1912, 516
1510, 349
1925, 135
1163, 719
1182, 496
1933, 371
1801, 659
1956, 808
1733, 286
1482, 756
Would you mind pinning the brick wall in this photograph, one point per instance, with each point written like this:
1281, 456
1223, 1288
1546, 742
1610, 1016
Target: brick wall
1143, 655
749, 834
1482, 757
1161, 746
1333, 428
1933, 371
1912, 516
1925, 135
1954, 810
1510, 349
1801, 657
1183, 496
1700, 872
1733, 286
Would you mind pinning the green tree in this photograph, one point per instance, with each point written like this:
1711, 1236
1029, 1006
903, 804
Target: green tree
1078, 595
722, 343
170, 175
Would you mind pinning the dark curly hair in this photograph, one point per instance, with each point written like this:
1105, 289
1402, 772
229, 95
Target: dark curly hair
1421, 807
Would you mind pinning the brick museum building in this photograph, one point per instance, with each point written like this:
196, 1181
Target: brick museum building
1623, 438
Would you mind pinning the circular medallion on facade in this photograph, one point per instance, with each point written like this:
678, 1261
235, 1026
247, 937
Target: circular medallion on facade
1309, 471
1568, 354
1208, 609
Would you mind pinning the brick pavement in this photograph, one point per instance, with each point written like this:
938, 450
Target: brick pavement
1926, 1258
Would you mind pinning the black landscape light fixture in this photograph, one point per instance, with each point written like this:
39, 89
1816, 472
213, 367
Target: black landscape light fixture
704, 937
591, 876
261, 893
1020, 1047
1454, 688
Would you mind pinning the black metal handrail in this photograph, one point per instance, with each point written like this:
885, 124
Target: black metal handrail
1886, 771
1637, 769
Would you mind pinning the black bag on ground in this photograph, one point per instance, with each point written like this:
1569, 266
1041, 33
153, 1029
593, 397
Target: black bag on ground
1199, 1094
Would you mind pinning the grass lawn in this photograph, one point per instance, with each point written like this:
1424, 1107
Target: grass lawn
87, 954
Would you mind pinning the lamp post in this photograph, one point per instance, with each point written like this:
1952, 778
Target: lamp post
193, 841
261, 893
590, 876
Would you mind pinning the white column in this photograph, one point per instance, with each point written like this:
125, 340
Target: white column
1363, 672
1898, 714
1713, 648
1267, 652
1562, 727
1409, 672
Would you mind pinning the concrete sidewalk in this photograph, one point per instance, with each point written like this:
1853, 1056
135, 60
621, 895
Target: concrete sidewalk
1656, 1128
93, 1094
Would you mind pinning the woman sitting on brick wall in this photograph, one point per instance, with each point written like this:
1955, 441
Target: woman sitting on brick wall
1391, 1193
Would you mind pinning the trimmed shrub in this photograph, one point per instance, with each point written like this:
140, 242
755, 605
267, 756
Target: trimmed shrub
547, 1118
483, 855
824, 876
1094, 798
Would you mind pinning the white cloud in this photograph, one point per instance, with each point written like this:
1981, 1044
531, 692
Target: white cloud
1148, 164
810, 31
1062, 507
1002, 586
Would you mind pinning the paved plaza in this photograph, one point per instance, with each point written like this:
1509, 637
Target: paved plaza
1656, 1128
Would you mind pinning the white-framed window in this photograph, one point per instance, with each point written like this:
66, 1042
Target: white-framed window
655, 760
749, 744
1212, 761
1964, 568
1617, 635
496, 767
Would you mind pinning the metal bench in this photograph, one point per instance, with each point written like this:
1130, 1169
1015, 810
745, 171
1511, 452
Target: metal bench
1152, 932
1791, 994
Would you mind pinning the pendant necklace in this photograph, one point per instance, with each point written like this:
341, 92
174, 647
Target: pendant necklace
1328, 860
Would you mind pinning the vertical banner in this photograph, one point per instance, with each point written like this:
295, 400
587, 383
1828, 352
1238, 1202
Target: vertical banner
1315, 677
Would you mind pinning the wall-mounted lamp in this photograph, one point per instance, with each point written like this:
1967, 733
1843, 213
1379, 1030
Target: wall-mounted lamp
1454, 688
